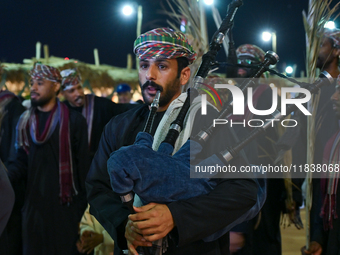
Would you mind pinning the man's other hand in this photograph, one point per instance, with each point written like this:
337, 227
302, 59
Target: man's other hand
152, 221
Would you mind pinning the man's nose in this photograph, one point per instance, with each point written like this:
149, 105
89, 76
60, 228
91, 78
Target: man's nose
33, 86
151, 73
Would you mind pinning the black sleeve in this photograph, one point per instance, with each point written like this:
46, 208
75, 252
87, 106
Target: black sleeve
80, 150
106, 205
6, 197
16, 109
17, 168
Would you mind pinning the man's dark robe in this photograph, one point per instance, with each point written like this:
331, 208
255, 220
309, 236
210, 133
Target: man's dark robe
195, 218
330, 238
11, 240
104, 110
327, 124
48, 226
13, 110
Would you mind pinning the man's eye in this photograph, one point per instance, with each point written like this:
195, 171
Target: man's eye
161, 66
143, 66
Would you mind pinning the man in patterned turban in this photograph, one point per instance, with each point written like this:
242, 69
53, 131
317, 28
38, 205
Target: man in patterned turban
52, 158
164, 58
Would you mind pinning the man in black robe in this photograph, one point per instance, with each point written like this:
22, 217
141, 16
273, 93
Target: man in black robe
325, 225
53, 159
97, 110
326, 121
187, 222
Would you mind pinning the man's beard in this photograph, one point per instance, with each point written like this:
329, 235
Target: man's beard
167, 96
40, 102
322, 64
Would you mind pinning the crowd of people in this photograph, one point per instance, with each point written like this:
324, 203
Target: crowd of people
54, 159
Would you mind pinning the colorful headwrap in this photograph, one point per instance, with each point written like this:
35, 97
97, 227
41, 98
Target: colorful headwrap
163, 43
70, 77
40, 71
334, 34
250, 50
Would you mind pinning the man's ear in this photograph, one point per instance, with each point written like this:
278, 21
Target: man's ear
56, 87
185, 75
337, 52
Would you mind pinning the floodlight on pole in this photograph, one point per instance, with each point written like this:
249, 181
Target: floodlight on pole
208, 2
267, 36
289, 70
127, 10
330, 25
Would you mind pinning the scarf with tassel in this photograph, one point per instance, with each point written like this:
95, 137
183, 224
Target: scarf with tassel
29, 123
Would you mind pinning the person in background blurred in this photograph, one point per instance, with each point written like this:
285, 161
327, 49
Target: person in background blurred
11, 108
93, 237
96, 110
124, 94
6, 198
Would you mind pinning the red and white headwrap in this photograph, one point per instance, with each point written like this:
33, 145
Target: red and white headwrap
251, 51
70, 77
40, 71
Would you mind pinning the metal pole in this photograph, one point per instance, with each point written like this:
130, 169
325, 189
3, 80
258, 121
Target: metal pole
203, 26
274, 42
96, 57
139, 27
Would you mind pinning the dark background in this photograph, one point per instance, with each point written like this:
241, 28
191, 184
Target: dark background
74, 28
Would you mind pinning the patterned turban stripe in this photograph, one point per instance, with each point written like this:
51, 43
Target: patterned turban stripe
334, 34
70, 77
163, 43
250, 50
40, 71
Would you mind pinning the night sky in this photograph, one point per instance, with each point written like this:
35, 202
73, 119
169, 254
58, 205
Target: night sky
73, 28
